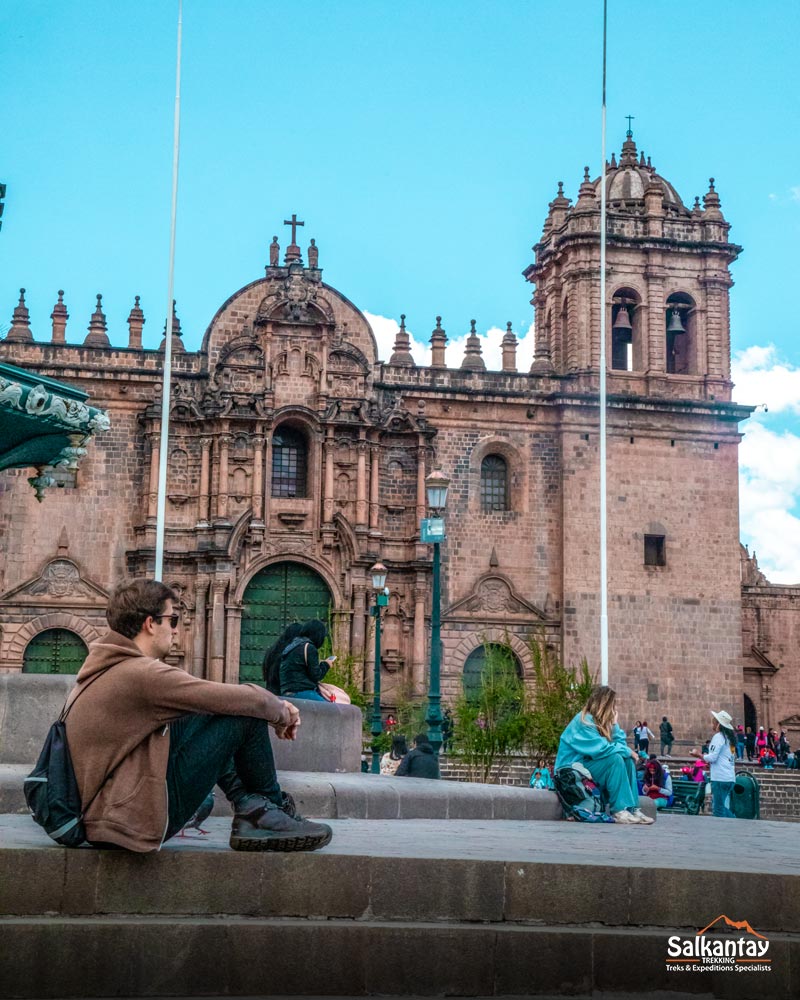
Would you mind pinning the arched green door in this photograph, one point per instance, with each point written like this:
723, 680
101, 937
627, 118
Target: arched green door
277, 596
55, 651
490, 653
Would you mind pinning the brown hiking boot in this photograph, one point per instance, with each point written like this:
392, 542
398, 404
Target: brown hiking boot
271, 828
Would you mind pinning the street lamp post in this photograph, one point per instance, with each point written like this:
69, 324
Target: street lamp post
378, 574
432, 530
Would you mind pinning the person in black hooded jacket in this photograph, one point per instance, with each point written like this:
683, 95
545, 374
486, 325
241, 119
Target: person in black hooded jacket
421, 762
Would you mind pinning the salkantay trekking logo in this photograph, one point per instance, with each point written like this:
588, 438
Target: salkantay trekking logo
721, 953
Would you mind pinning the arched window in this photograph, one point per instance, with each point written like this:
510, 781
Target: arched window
681, 343
289, 463
626, 337
494, 483
493, 657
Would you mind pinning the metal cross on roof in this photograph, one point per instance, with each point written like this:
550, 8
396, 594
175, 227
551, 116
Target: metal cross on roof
630, 119
294, 224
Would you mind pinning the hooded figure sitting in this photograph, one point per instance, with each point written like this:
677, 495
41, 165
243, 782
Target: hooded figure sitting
421, 762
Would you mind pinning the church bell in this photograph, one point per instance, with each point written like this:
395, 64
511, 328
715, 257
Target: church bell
622, 322
675, 325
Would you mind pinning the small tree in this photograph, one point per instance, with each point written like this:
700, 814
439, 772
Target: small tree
490, 721
559, 692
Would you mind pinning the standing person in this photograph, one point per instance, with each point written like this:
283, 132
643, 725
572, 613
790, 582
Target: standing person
750, 743
782, 747
391, 759
148, 741
272, 658
421, 762
740, 743
721, 756
667, 738
301, 669
447, 730
761, 741
595, 739
645, 735
637, 729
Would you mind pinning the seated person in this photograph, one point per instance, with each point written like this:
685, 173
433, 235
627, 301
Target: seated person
657, 783
594, 739
391, 760
301, 669
149, 741
422, 762
541, 777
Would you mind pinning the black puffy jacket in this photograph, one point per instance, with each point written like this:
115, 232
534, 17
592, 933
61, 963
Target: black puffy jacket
301, 668
421, 762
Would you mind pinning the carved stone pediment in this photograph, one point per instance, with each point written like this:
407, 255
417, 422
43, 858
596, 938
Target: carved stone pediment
493, 597
60, 582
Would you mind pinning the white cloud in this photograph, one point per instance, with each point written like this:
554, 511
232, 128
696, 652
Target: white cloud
761, 378
385, 330
769, 463
795, 193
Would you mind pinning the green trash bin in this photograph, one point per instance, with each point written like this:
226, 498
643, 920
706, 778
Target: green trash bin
745, 797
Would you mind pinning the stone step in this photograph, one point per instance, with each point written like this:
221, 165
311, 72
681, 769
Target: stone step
101, 957
418, 907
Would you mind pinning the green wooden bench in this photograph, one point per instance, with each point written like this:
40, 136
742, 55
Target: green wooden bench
690, 796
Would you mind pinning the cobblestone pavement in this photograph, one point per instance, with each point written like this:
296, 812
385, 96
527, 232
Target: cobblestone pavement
676, 841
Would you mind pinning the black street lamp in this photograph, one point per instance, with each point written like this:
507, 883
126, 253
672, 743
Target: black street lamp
378, 574
436, 485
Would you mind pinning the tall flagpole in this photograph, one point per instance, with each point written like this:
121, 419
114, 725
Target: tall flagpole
603, 498
167, 380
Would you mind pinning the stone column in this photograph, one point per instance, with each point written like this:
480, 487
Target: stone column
268, 476
418, 662
361, 499
216, 665
224, 441
200, 625
152, 500
327, 514
205, 480
374, 484
421, 498
233, 631
258, 477
357, 633
655, 319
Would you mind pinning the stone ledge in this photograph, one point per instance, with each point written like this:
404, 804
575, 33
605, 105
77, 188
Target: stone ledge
228, 956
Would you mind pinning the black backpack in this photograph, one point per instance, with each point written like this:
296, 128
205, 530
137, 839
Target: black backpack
51, 789
579, 796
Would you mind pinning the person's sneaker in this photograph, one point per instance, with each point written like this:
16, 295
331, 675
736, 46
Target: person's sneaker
642, 817
623, 816
271, 828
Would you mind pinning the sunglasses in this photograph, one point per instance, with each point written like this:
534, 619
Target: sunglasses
173, 619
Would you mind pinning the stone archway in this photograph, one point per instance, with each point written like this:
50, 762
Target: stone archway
281, 593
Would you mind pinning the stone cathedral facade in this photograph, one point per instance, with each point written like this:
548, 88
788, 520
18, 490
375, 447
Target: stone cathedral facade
298, 457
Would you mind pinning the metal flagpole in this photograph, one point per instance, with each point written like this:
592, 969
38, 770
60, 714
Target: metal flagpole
167, 380
603, 499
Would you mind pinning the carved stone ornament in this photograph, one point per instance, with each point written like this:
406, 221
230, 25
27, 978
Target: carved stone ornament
493, 596
60, 579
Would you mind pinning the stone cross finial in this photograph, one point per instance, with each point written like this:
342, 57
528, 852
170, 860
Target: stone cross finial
294, 223
630, 118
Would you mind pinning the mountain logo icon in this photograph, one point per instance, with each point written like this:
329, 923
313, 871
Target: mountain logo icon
736, 925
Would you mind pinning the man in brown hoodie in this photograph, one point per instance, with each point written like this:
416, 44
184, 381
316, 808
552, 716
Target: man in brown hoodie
149, 741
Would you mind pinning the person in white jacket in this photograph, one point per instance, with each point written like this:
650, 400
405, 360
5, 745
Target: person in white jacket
721, 756
645, 735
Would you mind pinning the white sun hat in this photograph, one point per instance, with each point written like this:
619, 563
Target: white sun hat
723, 719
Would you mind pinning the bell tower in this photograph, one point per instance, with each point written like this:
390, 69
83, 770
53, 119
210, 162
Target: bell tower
667, 284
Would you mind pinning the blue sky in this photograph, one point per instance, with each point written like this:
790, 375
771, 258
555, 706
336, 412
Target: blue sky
420, 143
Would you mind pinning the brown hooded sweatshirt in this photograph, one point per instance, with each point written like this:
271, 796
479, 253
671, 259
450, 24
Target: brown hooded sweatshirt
118, 733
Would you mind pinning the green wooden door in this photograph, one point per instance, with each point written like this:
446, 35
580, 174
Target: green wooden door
277, 596
56, 651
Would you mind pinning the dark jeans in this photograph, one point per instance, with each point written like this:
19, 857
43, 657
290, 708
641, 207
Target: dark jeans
233, 751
